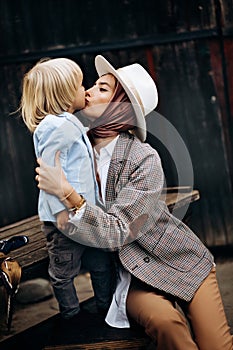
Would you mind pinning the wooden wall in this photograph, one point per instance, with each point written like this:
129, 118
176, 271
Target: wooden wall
186, 45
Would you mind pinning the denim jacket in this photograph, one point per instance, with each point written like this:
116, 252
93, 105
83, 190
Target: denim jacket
68, 135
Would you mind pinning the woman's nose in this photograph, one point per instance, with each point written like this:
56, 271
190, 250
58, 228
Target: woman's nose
91, 90
88, 93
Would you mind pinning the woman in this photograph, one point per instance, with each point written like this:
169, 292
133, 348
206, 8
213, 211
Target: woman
160, 260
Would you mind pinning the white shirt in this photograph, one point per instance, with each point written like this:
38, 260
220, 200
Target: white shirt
103, 161
116, 316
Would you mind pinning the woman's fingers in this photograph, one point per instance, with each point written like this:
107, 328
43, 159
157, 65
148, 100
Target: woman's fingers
50, 178
43, 166
57, 159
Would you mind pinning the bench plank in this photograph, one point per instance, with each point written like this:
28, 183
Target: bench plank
180, 199
135, 344
88, 332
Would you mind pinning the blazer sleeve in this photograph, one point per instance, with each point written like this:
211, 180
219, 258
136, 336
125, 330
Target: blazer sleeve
126, 219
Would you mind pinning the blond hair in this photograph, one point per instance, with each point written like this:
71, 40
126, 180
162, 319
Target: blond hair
50, 87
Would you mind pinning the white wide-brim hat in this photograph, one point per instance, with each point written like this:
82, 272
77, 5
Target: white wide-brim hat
139, 87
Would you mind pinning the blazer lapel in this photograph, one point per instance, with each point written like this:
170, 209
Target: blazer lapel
115, 167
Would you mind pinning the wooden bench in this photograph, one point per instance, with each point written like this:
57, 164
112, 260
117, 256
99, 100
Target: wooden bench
90, 333
33, 257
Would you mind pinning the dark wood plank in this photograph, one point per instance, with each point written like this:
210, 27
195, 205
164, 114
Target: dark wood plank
88, 332
180, 199
33, 257
135, 344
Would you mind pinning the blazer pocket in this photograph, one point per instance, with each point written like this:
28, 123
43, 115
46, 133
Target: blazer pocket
178, 250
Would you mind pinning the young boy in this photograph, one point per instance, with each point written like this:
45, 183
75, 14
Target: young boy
52, 91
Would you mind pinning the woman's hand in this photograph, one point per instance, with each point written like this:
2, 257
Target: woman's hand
62, 220
52, 179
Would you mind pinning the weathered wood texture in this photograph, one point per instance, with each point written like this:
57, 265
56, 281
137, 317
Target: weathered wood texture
33, 257
89, 332
135, 344
186, 46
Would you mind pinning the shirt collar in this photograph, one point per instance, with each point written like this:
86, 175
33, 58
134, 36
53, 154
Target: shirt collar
108, 149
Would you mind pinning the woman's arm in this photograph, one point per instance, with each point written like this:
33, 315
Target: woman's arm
124, 221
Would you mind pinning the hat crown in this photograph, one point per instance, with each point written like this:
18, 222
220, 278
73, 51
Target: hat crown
141, 85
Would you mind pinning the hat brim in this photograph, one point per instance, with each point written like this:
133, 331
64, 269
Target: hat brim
104, 67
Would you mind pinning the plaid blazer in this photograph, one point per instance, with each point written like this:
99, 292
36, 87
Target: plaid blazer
152, 244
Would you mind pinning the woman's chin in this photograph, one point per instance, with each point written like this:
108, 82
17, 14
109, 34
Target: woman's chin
86, 115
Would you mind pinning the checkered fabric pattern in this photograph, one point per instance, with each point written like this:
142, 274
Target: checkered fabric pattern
152, 244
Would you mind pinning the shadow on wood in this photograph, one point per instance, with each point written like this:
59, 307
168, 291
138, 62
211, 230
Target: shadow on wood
88, 332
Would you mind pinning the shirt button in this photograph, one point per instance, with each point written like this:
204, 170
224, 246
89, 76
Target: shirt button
146, 259
56, 260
